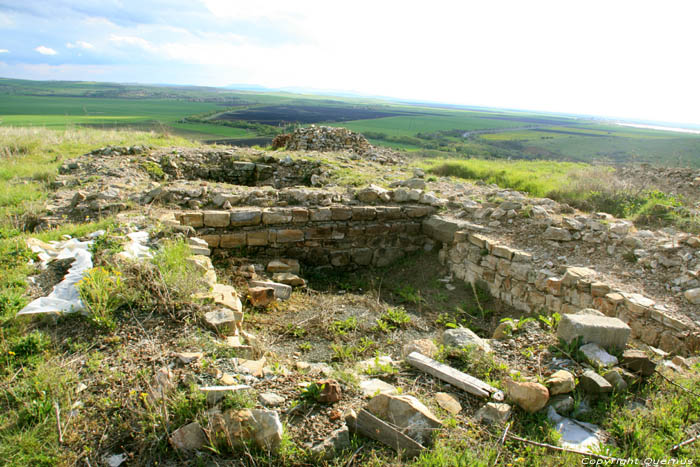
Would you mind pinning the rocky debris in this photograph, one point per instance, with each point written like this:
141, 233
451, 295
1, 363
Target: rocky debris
289, 279
223, 321
284, 265
330, 392
423, 346
504, 330
562, 403
693, 296
616, 380
597, 356
609, 333
188, 357
270, 399
560, 382
373, 194
282, 291
189, 437
252, 367
448, 402
495, 413
557, 234
238, 427
324, 138
338, 441
407, 413
529, 396
372, 387
198, 246
261, 296
460, 338
594, 384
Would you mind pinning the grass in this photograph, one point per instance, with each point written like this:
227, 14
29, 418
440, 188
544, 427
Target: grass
538, 178
30, 157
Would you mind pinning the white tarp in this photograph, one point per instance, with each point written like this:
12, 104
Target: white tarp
577, 435
136, 249
64, 298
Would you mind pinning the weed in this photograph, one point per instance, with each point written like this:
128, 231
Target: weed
102, 292
305, 346
312, 392
392, 319
345, 326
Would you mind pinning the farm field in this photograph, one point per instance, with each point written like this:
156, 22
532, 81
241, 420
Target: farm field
253, 118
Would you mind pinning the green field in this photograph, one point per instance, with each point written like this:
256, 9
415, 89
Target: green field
196, 112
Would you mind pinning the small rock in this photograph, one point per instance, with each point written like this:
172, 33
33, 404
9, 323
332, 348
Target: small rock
331, 391
223, 320
681, 362
464, 337
253, 367
284, 265
261, 296
693, 296
504, 330
407, 413
593, 383
557, 234
188, 438
449, 402
372, 387
560, 382
423, 346
188, 357
289, 279
616, 380
270, 399
336, 442
495, 413
529, 396
562, 403
238, 427
282, 291
162, 383
638, 362
597, 356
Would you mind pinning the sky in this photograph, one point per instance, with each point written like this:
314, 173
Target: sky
616, 58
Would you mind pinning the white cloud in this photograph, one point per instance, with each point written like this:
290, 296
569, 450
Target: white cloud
43, 50
4, 51
80, 44
133, 41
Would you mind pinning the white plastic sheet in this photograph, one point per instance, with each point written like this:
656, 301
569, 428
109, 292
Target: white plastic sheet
136, 249
64, 298
575, 434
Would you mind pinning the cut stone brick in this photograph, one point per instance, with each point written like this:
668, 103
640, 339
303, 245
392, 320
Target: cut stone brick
609, 333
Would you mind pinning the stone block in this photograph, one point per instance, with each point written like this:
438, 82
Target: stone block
277, 216
217, 218
609, 333
258, 238
233, 240
242, 218
193, 219
320, 215
287, 236
341, 213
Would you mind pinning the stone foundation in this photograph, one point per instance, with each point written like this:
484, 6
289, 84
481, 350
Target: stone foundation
338, 236
511, 276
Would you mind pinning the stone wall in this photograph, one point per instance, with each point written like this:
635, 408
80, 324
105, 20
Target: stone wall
337, 235
511, 276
